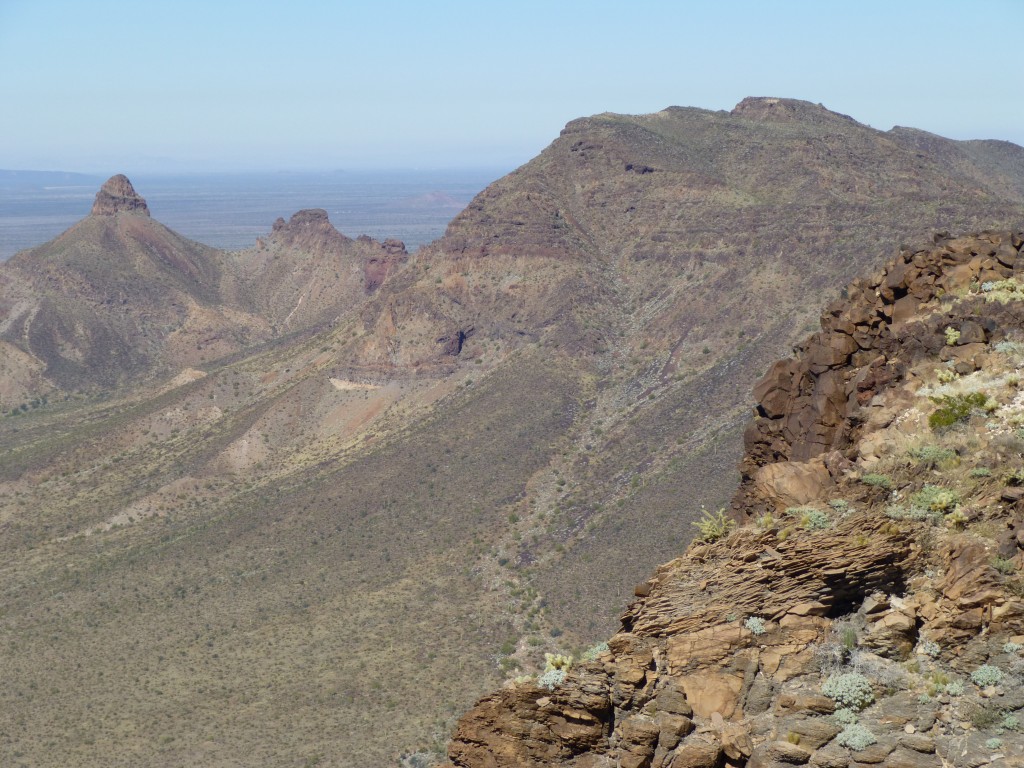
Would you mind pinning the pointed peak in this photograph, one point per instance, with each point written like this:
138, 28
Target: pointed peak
117, 194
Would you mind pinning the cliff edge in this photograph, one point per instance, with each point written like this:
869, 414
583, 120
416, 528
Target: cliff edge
869, 610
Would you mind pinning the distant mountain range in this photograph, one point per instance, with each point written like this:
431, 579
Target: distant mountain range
36, 179
265, 503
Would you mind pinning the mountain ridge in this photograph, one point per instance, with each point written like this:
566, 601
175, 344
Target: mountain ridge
555, 385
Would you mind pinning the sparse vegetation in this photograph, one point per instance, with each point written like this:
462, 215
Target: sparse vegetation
856, 737
986, 675
956, 409
877, 481
755, 625
850, 690
713, 526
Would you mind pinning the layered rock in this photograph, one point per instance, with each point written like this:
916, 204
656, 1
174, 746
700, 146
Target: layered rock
117, 195
723, 658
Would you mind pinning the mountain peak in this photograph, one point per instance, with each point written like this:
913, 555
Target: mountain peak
309, 229
773, 109
116, 195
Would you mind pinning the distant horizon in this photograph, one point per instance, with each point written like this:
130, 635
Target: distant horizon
193, 86
182, 169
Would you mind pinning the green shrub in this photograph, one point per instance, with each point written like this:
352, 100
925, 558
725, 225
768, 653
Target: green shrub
877, 481
980, 472
855, 737
1015, 478
850, 689
1004, 565
931, 456
956, 409
986, 675
934, 498
1012, 647
714, 526
994, 743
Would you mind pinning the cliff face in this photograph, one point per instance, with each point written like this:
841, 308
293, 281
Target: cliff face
869, 611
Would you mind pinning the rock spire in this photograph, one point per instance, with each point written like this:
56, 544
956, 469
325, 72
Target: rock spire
116, 195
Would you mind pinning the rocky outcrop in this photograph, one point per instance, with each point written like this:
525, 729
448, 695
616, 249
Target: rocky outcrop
117, 195
737, 653
821, 401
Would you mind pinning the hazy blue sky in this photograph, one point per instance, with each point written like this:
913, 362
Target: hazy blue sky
147, 85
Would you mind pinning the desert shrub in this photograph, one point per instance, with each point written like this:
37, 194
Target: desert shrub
931, 456
980, 472
815, 520
842, 506
877, 481
594, 651
855, 737
1014, 477
850, 689
1009, 723
714, 525
755, 624
848, 637
556, 667
1004, 565
981, 716
845, 716
1002, 290
934, 498
956, 409
1009, 348
929, 648
986, 675
994, 743
954, 688
1012, 647
551, 679
947, 376
952, 336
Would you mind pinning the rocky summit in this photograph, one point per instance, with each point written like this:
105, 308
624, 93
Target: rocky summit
117, 195
869, 607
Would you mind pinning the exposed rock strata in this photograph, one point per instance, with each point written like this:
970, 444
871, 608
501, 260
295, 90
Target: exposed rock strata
689, 682
117, 195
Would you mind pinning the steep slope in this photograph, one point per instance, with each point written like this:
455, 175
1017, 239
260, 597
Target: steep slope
119, 296
672, 255
554, 386
870, 611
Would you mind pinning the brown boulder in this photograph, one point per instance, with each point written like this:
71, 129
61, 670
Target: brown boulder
701, 750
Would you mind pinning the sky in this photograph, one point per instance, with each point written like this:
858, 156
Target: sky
235, 85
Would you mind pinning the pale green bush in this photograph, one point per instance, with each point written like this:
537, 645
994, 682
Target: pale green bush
850, 689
